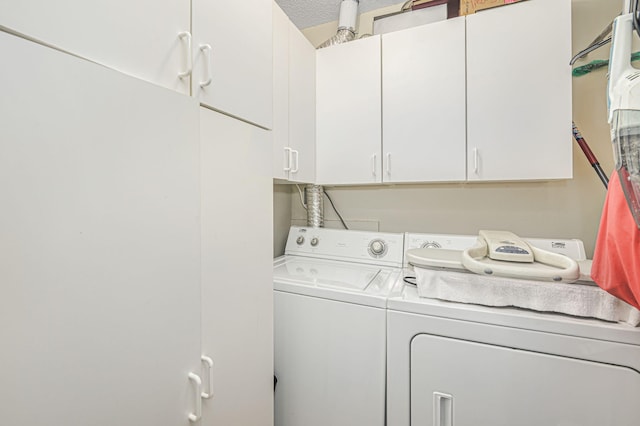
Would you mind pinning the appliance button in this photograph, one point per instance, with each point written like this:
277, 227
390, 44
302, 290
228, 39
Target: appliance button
300, 240
314, 241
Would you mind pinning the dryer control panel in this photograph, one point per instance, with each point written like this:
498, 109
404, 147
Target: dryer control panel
376, 248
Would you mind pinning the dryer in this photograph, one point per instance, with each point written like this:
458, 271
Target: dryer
330, 293
461, 364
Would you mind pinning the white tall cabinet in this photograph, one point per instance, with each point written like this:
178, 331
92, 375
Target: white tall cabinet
423, 103
237, 267
349, 113
139, 38
294, 98
99, 254
519, 92
232, 58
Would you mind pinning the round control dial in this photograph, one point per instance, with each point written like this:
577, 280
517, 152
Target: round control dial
377, 248
300, 240
431, 244
314, 241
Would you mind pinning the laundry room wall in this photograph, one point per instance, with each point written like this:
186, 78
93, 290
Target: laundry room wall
281, 217
566, 208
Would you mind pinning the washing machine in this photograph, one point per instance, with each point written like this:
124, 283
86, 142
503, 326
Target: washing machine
463, 364
330, 293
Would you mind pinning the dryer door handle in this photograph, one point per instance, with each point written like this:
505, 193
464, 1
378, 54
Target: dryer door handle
442, 409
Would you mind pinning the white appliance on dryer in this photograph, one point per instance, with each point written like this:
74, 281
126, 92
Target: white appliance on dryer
330, 294
462, 364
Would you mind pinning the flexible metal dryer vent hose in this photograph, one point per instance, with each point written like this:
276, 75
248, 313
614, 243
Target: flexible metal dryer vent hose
314, 198
346, 24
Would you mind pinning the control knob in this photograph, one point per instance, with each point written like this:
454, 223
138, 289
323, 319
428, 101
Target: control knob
377, 248
431, 244
314, 241
300, 240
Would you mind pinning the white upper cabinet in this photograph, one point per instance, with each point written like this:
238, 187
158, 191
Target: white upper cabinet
302, 106
489, 102
294, 102
519, 92
232, 58
282, 156
100, 264
349, 113
139, 38
423, 103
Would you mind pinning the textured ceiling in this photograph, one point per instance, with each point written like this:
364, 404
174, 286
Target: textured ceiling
308, 13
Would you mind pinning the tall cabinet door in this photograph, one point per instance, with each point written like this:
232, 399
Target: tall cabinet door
302, 106
138, 38
233, 58
294, 101
423, 95
237, 268
519, 92
99, 255
348, 114
281, 150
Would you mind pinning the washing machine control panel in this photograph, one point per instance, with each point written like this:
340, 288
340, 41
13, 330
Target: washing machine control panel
380, 248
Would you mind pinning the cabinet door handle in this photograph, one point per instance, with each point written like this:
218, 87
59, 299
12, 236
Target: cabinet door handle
475, 160
186, 35
388, 167
208, 362
442, 409
373, 164
295, 155
206, 51
287, 152
194, 417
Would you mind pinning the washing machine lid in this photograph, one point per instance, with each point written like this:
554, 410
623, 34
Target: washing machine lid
336, 280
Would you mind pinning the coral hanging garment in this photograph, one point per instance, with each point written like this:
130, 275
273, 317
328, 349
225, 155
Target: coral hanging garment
616, 260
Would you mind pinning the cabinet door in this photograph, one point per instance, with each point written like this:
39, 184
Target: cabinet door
302, 106
280, 132
519, 92
462, 383
99, 255
237, 268
239, 60
138, 38
348, 143
423, 94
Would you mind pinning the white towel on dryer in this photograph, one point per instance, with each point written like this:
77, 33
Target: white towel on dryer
576, 299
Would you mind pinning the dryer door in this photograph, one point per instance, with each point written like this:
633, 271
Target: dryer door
468, 384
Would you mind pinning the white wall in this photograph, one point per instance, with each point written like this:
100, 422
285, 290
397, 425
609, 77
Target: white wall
569, 209
281, 217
